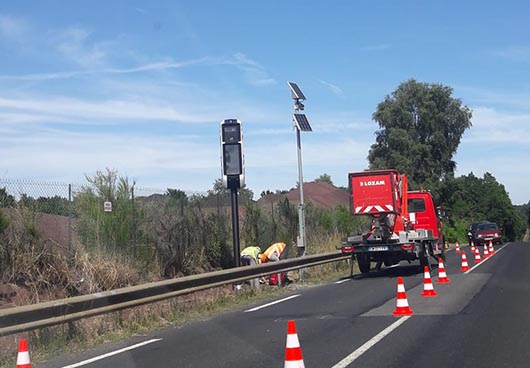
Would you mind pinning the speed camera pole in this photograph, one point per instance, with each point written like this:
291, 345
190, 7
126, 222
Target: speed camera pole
235, 226
233, 170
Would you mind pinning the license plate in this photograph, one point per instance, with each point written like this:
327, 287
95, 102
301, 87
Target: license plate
378, 249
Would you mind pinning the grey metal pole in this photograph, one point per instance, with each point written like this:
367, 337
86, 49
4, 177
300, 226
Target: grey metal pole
235, 226
301, 212
70, 214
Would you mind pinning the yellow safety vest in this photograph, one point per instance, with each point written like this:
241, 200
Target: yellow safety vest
251, 251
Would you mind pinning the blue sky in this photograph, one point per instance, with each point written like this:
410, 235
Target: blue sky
142, 86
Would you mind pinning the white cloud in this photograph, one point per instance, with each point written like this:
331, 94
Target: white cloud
498, 98
11, 27
75, 45
57, 151
254, 73
493, 126
507, 168
333, 88
515, 53
154, 66
80, 110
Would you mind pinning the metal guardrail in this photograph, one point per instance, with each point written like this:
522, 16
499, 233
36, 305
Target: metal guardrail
31, 317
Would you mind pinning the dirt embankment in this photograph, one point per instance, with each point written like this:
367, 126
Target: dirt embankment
29, 260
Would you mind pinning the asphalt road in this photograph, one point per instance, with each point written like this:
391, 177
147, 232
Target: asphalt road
480, 319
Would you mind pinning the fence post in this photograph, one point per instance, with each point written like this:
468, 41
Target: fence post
135, 250
70, 214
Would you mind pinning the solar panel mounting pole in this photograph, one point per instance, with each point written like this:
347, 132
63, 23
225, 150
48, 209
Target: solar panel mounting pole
300, 123
301, 212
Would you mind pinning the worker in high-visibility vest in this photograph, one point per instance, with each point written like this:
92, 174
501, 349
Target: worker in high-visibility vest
249, 256
273, 253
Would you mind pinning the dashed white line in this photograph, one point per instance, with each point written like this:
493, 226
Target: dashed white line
485, 259
88, 361
272, 303
341, 281
367, 345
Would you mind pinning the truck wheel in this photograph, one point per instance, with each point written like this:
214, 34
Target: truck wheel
364, 262
424, 257
443, 250
443, 255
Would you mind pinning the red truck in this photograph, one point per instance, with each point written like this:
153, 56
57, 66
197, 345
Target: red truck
405, 225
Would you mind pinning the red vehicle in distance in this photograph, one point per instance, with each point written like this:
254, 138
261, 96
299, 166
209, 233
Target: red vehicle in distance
486, 231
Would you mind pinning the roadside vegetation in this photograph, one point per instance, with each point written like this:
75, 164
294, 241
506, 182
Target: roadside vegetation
172, 234
420, 128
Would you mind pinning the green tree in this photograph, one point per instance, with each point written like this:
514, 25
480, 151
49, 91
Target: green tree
178, 198
6, 199
324, 178
55, 205
420, 128
474, 199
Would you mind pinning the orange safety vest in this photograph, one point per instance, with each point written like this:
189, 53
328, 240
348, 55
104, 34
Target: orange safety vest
276, 247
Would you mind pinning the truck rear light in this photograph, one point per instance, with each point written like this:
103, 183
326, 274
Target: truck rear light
407, 247
347, 249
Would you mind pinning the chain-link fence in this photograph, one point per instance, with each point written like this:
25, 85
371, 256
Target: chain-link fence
50, 203
171, 231
66, 214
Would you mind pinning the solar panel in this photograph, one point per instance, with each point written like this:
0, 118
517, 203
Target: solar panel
302, 123
296, 92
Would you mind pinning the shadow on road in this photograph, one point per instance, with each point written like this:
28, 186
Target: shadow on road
391, 272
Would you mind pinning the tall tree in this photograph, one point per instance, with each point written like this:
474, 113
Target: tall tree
421, 126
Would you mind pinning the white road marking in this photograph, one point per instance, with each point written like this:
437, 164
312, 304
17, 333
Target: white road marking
272, 303
341, 281
88, 361
367, 345
485, 259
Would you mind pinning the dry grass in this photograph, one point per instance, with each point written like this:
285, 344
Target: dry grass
38, 270
35, 270
97, 271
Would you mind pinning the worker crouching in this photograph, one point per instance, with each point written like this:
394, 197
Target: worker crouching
251, 256
273, 254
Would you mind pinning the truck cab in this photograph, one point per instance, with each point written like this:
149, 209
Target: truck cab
424, 215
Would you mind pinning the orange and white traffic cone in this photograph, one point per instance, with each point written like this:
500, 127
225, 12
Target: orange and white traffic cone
486, 251
428, 288
477, 256
465, 266
402, 304
293, 351
457, 248
442, 276
492, 250
472, 247
23, 355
